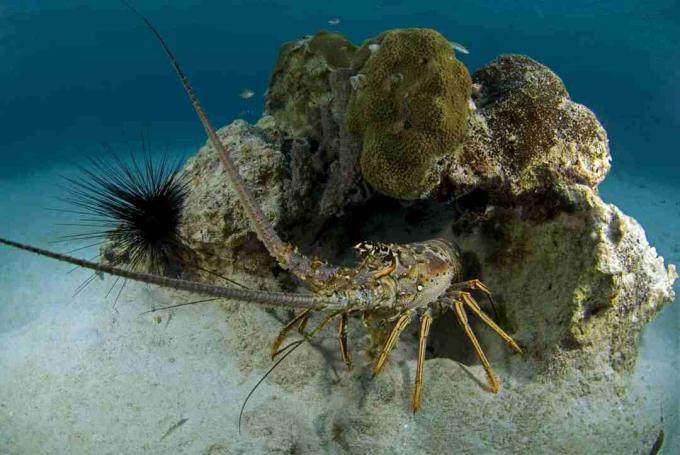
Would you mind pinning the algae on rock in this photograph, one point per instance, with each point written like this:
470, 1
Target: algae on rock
214, 223
525, 135
574, 278
285, 177
307, 97
577, 287
299, 82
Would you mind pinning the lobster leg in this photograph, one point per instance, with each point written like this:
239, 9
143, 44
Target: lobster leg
462, 318
425, 321
300, 319
473, 284
476, 285
399, 327
474, 307
342, 335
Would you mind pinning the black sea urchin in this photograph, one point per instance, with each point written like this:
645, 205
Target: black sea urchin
135, 206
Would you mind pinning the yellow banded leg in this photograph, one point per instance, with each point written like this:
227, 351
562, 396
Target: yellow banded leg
322, 325
300, 318
462, 318
425, 322
303, 324
399, 327
474, 307
342, 335
479, 286
474, 284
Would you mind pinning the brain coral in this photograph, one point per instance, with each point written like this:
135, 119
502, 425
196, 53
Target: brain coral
409, 107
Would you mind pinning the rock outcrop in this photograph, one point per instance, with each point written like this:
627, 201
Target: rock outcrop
526, 137
574, 278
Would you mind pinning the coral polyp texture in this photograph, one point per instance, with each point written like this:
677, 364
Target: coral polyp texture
409, 107
526, 136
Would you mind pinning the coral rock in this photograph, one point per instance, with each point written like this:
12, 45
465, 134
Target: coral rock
299, 81
579, 286
307, 97
526, 136
213, 220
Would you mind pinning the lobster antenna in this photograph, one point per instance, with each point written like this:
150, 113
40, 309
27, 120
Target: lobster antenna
290, 348
265, 232
267, 298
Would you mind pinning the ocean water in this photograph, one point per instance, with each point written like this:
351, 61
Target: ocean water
78, 75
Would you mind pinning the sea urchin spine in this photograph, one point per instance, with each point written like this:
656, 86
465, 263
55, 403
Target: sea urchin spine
135, 206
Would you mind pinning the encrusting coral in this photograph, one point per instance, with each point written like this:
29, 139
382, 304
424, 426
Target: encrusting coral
526, 137
300, 79
410, 107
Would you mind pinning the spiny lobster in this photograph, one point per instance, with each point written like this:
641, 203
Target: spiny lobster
401, 281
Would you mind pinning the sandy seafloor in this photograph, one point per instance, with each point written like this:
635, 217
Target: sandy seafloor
78, 376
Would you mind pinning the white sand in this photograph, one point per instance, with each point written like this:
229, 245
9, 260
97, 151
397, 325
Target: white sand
77, 376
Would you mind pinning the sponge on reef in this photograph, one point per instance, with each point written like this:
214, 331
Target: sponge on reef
299, 83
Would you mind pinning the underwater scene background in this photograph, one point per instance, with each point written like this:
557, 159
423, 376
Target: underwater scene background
77, 76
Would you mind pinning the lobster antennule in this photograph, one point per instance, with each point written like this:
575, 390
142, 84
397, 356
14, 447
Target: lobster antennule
266, 298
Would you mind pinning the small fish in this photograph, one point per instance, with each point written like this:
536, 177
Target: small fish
459, 47
334, 21
374, 48
174, 427
658, 442
246, 93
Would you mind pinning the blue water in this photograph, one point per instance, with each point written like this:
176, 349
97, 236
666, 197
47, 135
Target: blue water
78, 74
75, 74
